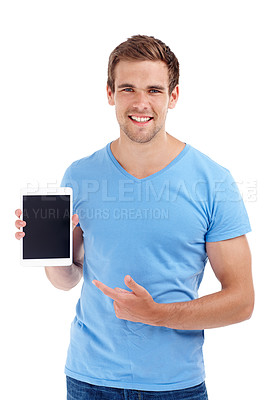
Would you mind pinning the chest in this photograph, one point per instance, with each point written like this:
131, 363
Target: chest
137, 214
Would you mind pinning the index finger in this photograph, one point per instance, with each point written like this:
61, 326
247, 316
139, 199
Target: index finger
106, 290
18, 212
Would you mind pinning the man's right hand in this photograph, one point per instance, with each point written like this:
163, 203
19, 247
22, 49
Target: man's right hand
20, 223
65, 277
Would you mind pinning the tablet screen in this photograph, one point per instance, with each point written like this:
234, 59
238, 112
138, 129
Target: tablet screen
47, 230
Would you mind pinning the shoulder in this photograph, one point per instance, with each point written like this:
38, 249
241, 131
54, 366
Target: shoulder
206, 161
205, 165
90, 161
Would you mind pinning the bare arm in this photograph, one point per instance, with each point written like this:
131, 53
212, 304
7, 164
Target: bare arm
64, 278
231, 263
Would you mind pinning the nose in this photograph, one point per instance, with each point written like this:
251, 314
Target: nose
140, 100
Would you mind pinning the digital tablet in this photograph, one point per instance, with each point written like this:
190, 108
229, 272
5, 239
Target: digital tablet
48, 231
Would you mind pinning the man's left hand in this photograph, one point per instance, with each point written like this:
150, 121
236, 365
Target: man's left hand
136, 306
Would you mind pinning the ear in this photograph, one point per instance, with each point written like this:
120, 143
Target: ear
174, 97
110, 96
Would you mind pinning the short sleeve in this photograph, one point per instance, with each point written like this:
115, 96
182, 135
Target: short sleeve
67, 181
229, 217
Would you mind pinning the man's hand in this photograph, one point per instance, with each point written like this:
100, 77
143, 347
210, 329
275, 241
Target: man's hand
135, 306
21, 224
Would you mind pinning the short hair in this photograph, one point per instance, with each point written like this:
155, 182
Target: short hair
144, 48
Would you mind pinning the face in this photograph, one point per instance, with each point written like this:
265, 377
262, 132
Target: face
141, 98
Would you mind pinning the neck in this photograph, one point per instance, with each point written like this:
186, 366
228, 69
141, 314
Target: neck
144, 159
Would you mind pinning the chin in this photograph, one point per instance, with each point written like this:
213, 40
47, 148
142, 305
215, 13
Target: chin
140, 138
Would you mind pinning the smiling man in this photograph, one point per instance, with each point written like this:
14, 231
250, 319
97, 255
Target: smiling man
151, 210
141, 108
142, 94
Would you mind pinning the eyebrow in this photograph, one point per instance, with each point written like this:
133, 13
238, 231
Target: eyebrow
157, 87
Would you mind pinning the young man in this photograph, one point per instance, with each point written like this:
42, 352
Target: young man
150, 211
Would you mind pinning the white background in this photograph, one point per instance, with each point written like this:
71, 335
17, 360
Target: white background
54, 110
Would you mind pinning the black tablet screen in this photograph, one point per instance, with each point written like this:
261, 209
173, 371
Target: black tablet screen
47, 230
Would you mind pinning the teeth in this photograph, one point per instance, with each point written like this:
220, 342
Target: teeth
138, 119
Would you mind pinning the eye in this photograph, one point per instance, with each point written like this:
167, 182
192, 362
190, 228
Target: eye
127, 90
154, 91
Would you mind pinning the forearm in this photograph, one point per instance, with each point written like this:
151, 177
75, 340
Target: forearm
64, 278
212, 311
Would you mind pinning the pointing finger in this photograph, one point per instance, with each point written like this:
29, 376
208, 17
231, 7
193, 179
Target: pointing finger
105, 289
119, 290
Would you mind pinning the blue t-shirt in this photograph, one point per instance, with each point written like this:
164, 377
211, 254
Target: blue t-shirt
153, 229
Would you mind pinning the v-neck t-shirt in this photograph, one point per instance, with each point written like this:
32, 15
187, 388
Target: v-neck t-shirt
155, 230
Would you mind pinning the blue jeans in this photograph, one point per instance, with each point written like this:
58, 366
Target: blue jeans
77, 390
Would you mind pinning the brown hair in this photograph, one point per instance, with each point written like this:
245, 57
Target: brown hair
142, 48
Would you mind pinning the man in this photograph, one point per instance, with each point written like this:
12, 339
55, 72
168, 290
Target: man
150, 211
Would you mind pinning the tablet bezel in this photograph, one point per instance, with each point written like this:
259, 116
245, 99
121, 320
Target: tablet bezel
48, 262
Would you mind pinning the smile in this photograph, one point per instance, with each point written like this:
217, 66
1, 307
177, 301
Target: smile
140, 119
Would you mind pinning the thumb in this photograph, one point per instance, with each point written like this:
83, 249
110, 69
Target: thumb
75, 220
136, 288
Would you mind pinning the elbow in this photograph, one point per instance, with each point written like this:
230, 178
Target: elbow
247, 314
251, 305
65, 289
60, 287
248, 308
59, 278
